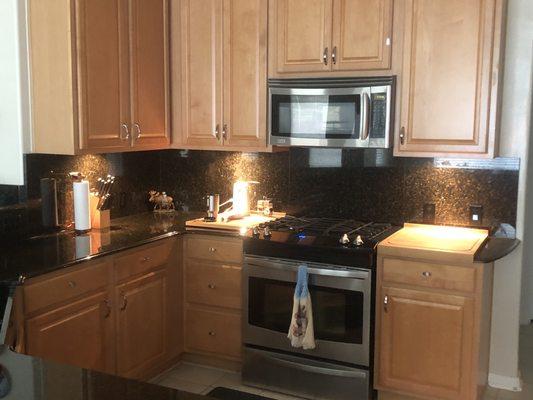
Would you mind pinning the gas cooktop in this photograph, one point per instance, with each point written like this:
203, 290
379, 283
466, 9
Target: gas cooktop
341, 241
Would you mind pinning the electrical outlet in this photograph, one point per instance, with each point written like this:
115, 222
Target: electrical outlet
476, 214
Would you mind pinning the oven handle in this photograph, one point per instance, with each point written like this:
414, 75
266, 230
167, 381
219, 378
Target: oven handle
291, 265
318, 370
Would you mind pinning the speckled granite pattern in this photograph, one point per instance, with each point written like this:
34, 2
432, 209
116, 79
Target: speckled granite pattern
34, 378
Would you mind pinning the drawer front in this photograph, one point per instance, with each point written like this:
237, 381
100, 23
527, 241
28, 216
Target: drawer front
429, 275
212, 248
213, 284
60, 288
143, 259
213, 332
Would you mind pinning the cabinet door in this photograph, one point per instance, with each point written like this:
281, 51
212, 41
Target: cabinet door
150, 73
425, 343
361, 34
451, 50
303, 35
245, 76
103, 74
201, 46
141, 323
80, 334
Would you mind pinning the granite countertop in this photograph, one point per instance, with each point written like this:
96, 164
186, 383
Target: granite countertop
31, 378
40, 255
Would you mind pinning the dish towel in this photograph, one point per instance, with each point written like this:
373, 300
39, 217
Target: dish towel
301, 331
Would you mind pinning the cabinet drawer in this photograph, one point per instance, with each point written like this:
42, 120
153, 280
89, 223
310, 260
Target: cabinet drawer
211, 248
429, 275
66, 286
143, 259
213, 284
213, 332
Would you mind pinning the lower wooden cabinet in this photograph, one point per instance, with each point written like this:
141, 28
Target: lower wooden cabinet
80, 333
109, 315
213, 296
432, 329
141, 323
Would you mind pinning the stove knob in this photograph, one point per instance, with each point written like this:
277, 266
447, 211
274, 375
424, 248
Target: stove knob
358, 241
255, 231
344, 239
266, 232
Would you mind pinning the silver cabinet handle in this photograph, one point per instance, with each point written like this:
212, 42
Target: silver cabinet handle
426, 274
146, 259
211, 286
365, 116
402, 136
72, 284
386, 303
334, 55
225, 132
325, 56
217, 132
138, 135
124, 132
108, 309
211, 333
124, 302
212, 249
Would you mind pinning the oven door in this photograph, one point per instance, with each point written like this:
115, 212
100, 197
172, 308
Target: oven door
340, 300
329, 117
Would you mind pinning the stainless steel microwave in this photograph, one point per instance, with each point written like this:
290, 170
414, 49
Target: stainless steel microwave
333, 112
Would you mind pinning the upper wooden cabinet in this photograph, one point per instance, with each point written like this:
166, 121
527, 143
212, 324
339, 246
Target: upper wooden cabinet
99, 75
327, 36
220, 47
451, 68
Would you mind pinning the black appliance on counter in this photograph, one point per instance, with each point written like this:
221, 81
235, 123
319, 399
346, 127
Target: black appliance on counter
341, 260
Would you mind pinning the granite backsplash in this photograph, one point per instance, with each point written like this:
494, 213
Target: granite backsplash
361, 184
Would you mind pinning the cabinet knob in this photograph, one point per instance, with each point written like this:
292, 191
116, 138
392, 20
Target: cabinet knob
146, 259
124, 302
108, 309
325, 56
212, 249
402, 136
426, 274
217, 132
124, 132
225, 132
386, 303
72, 284
211, 286
211, 333
334, 56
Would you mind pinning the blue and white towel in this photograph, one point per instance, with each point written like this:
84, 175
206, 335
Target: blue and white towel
301, 331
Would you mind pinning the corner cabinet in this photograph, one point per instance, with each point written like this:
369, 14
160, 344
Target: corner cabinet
451, 78
329, 36
99, 75
221, 48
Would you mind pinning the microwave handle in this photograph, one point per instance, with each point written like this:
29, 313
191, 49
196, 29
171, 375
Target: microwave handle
365, 116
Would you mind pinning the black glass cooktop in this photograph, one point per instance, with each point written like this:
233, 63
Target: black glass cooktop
329, 240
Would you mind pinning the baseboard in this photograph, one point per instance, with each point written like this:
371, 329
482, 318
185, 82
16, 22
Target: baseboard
512, 383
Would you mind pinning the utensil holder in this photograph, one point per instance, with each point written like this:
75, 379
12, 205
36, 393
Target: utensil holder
100, 219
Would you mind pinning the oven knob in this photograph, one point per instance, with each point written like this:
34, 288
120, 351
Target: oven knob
266, 232
255, 231
358, 241
344, 239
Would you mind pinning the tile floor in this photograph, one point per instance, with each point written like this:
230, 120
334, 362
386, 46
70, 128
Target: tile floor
200, 379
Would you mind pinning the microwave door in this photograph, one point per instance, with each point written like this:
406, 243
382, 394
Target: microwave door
316, 117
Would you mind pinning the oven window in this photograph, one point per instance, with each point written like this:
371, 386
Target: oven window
316, 116
337, 313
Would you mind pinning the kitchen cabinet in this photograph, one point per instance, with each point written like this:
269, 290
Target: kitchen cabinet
433, 307
451, 78
99, 76
222, 56
120, 314
329, 36
213, 297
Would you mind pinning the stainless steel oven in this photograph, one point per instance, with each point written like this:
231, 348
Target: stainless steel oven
341, 300
336, 112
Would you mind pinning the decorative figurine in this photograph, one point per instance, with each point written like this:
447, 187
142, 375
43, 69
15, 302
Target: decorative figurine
162, 202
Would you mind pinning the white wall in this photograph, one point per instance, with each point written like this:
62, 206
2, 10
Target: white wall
14, 115
515, 141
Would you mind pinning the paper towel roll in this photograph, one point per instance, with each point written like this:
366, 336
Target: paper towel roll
82, 214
